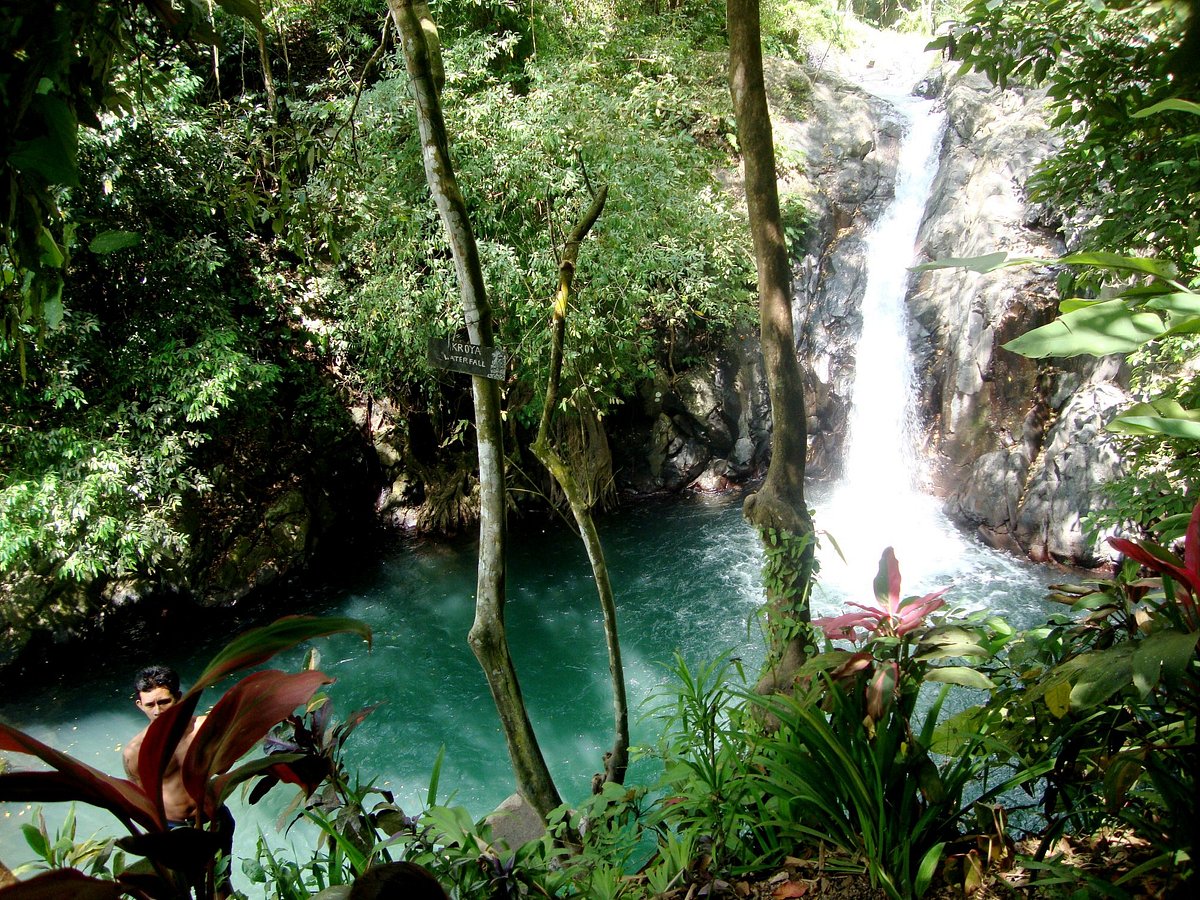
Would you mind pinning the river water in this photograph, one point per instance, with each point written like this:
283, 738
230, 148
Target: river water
686, 576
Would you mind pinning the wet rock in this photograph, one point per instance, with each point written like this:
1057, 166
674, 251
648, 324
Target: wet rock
1064, 482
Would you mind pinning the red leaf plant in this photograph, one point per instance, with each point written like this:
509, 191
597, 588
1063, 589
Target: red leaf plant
891, 616
1184, 573
239, 721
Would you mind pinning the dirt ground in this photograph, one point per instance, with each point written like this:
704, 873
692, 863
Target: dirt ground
1092, 866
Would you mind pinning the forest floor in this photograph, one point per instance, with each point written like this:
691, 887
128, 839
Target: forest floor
1104, 865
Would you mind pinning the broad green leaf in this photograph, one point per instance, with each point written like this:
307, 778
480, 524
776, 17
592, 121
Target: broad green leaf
1162, 417
961, 675
1058, 699
1146, 265
110, 241
54, 154
1184, 303
1074, 303
52, 306
989, 262
52, 255
247, 9
928, 868
1165, 652
1108, 327
250, 10
1169, 105
36, 840
1100, 676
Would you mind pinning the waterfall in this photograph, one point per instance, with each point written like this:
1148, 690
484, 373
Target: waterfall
879, 500
882, 458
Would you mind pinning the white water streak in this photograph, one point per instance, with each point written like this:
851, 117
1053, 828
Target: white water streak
880, 502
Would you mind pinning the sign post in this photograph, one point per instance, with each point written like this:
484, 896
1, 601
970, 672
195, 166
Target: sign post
471, 359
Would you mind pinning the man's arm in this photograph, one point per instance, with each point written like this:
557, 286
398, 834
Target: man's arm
129, 757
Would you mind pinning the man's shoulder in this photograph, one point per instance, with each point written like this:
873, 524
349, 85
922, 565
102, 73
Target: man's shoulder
136, 741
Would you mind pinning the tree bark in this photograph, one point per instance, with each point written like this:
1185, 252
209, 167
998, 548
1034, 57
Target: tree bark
487, 637
617, 759
778, 510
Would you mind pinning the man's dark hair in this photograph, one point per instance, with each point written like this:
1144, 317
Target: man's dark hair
153, 677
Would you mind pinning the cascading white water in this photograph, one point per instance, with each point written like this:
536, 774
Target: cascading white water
882, 458
879, 501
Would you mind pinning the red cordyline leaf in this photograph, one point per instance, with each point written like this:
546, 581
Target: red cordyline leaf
1188, 575
248, 649
63, 883
891, 616
260, 644
74, 780
159, 745
887, 582
913, 612
881, 687
242, 718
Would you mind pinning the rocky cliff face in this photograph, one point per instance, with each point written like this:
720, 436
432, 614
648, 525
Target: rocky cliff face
1019, 448
1021, 445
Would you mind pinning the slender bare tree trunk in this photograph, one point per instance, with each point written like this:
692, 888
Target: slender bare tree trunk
778, 510
617, 759
487, 637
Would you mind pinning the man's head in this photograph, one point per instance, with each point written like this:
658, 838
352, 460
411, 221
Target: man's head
156, 690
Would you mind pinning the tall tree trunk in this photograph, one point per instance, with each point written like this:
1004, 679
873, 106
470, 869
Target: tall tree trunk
487, 637
617, 759
778, 510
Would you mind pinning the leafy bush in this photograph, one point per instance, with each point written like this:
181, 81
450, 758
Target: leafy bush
667, 265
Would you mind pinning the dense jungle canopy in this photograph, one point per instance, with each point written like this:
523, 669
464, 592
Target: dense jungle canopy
221, 268
217, 239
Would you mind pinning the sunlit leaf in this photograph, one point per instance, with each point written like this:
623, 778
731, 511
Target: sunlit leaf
1099, 330
960, 675
1100, 675
1058, 698
111, 241
1164, 653
260, 644
1161, 417
1173, 105
989, 262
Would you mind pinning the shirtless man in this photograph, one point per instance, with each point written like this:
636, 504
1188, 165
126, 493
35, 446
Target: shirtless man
157, 690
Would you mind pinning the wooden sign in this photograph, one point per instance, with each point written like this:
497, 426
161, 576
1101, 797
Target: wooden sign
471, 359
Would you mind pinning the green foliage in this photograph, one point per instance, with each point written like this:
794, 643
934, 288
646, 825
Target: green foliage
97, 857
60, 77
178, 347
1152, 315
708, 759
851, 761
1106, 702
633, 108
1124, 176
